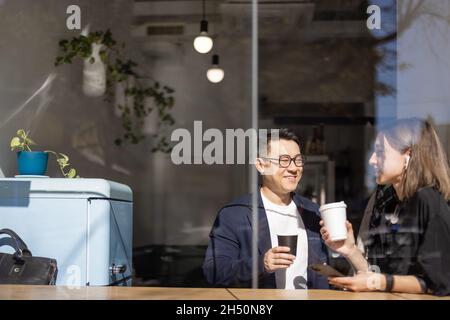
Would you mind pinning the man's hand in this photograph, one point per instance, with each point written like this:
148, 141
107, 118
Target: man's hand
278, 258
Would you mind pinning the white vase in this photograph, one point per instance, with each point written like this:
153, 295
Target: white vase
94, 74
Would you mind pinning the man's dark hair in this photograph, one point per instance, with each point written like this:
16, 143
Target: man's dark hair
285, 134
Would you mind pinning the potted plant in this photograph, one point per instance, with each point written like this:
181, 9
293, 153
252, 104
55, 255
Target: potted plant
122, 74
35, 162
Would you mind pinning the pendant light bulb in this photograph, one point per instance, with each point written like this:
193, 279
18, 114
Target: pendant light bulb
215, 74
203, 42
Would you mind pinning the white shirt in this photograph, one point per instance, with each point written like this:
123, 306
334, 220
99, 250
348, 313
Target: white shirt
287, 220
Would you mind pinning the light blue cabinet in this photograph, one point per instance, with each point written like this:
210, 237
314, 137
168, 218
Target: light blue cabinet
85, 224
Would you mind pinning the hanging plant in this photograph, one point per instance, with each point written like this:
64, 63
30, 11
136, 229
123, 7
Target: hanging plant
119, 71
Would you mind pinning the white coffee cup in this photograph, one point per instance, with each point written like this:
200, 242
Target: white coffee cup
334, 215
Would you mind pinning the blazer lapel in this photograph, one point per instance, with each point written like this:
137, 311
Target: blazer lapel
264, 242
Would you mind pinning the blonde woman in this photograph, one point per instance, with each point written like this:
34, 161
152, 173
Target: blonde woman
409, 246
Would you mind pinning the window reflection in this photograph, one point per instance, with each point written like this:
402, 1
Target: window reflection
323, 73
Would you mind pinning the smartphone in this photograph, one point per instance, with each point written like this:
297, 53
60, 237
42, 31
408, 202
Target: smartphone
325, 270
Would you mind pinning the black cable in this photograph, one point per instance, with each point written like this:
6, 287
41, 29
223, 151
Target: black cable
204, 9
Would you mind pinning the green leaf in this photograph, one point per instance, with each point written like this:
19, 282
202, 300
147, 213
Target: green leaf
29, 141
65, 157
15, 143
71, 174
103, 55
58, 61
168, 89
62, 163
21, 133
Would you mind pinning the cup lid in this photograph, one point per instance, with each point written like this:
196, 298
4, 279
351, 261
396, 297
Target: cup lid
333, 205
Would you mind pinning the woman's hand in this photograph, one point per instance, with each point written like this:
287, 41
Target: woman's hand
343, 247
364, 281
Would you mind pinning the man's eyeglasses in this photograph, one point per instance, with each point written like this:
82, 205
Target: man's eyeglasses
285, 160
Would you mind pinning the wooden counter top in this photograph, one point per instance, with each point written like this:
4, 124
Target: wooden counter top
23, 292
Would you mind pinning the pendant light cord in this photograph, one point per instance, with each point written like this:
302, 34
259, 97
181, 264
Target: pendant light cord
204, 9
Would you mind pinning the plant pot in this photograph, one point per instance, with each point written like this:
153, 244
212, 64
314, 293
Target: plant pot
94, 74
32, 162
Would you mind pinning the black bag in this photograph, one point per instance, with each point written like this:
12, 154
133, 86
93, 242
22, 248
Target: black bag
22, 268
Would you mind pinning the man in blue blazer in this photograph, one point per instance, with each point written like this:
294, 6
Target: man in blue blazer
228, 260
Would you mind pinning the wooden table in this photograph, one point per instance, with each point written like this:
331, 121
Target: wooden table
409, 296
274, 294
22, 292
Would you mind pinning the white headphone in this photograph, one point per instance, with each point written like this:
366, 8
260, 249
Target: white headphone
407, 161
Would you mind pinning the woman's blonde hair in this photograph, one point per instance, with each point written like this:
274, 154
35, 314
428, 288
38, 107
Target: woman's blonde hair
428, 165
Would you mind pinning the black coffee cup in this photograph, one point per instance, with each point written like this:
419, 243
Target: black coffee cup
288, 241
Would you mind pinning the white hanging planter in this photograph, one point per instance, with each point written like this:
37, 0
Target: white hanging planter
94, 74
